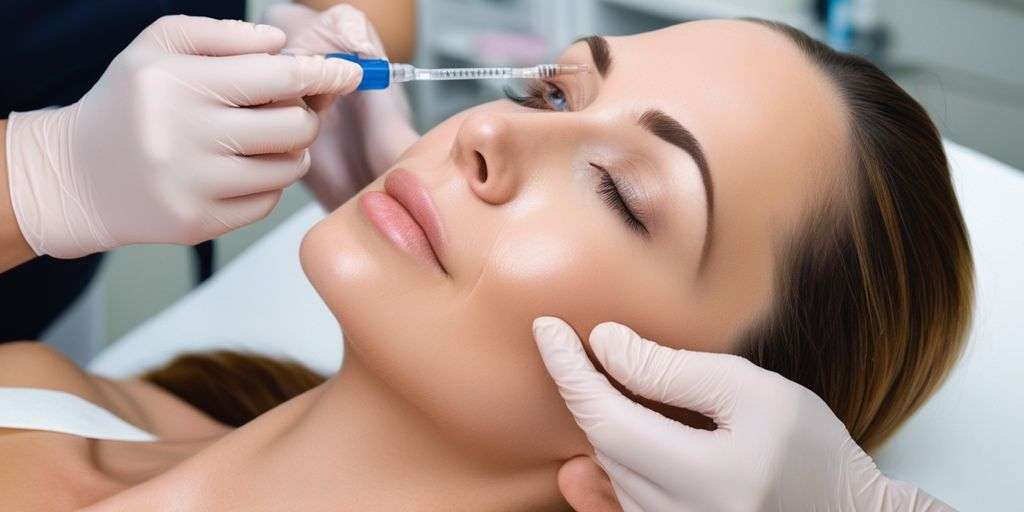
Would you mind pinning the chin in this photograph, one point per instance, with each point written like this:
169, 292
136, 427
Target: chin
332, 258
371, 287
347, 260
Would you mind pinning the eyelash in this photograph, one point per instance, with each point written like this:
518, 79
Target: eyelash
534, 96
609, 191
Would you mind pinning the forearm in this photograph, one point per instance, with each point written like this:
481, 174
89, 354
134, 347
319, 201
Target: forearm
14, 250
395, 21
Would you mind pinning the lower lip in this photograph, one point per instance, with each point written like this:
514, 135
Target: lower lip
395, 222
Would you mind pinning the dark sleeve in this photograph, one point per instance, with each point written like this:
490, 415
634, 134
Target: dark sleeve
51, 53
57, 49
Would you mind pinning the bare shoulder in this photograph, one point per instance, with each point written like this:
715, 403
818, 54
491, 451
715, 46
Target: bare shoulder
42, 460
35, 365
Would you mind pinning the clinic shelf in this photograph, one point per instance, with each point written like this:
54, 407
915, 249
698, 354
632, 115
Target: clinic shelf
798, 16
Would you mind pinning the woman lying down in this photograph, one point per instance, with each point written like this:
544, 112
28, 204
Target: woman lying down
723, 186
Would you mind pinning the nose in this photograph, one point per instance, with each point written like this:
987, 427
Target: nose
483, 153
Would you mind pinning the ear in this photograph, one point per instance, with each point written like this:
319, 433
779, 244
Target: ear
586, 487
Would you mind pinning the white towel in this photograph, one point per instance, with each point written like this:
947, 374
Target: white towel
58, 411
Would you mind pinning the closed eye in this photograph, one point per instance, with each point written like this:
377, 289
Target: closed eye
612, 196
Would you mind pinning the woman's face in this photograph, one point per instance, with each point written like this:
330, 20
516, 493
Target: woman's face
595, 207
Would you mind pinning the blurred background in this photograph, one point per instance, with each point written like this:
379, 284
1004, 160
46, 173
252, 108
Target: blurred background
961, 58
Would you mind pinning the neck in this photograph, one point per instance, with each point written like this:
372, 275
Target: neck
132, 463
350, 444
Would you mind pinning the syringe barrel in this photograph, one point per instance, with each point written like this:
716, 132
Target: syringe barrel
405, 72
379, 73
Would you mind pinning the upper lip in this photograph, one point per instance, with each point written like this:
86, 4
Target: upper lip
405, 188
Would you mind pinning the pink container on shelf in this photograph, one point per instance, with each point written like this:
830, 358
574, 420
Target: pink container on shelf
510, 48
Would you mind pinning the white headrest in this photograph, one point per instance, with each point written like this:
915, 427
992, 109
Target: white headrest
966, 445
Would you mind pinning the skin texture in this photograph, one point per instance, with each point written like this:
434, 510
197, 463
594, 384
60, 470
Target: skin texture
443, 402
536, 239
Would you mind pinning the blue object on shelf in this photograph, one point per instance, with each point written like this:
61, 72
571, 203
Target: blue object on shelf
839, 22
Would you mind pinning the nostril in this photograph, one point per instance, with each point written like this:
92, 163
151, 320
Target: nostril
481, 167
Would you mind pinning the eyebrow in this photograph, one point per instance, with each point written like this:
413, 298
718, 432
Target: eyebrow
669, 130
599, 53
666, 128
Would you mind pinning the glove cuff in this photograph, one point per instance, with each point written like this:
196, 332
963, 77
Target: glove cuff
903, 496
54, 210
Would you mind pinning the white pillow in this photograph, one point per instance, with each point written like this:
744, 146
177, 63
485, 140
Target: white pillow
260, 302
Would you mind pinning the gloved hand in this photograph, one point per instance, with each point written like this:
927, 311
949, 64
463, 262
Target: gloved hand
361, 134
777, 446
192, 131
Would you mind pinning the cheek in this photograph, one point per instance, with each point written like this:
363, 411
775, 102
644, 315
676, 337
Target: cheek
578, 266
573, 268
529, 271
544, 269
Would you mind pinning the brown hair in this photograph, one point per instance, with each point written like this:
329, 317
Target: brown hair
876, 289
233, 387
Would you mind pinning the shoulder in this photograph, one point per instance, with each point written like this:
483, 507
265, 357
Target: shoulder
28, 364
35, 365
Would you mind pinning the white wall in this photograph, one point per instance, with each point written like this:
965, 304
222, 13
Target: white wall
964, 59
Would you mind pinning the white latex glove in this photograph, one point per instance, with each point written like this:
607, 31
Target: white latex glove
777, 446
361, 134
192, 131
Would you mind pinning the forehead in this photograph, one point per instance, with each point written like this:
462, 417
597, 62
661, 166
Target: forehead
767, 117
747, 93
771, 124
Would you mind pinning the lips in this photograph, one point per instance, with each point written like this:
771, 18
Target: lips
405, 214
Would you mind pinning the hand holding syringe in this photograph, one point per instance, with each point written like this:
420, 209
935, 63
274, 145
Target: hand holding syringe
380, 73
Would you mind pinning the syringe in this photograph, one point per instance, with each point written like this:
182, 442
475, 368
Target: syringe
380, 73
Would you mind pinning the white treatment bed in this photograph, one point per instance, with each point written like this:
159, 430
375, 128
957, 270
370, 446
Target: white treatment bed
966, 445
